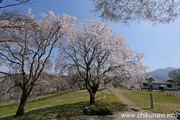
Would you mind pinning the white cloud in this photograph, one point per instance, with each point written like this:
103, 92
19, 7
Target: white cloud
177, 56
178, 51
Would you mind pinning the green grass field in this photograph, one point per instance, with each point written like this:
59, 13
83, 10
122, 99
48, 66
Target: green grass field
162, 103
66, 105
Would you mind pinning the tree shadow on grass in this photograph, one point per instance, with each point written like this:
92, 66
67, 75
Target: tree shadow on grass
57, 112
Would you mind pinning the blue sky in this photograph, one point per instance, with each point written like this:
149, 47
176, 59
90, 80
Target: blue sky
160, 44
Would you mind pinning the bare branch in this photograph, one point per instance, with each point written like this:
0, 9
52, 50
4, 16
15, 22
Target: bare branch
13, 3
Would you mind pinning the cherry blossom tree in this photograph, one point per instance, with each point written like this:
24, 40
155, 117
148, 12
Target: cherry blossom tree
125, 11
30, 54
175, 75
10, 90
98, 55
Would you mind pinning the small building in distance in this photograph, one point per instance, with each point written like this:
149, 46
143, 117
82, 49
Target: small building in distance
160, 85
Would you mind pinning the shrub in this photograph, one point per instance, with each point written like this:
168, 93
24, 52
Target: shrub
98, 110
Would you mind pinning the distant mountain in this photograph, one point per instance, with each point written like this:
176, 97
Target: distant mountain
161, 74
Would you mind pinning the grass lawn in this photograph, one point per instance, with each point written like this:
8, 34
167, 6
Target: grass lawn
162, 103
66, 105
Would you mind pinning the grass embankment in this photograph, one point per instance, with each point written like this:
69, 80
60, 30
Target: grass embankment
162, 103
66, 105
38, 98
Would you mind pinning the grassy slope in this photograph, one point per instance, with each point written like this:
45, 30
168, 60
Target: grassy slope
41, 97
162, 103
71, 104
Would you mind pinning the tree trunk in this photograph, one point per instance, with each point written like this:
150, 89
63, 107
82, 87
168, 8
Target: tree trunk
20, 110
92, 91
92, 98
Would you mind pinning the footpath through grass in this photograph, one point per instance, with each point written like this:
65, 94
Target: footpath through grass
162, 103
66, 105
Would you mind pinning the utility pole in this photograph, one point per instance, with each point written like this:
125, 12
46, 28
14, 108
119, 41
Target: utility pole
150, 79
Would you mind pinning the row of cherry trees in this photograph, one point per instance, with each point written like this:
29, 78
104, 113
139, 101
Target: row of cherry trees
88, 48
45, 84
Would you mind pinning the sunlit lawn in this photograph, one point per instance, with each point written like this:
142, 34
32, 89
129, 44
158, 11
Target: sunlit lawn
66, 105
162, 103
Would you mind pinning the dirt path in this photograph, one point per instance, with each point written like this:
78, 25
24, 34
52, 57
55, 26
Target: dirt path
130, 106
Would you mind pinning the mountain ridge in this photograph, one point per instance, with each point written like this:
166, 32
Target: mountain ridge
161, 73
